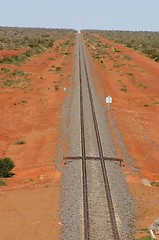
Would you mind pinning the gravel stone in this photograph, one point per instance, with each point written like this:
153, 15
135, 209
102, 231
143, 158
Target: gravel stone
72, 186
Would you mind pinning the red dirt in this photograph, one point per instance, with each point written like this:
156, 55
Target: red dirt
9, 53
30, 201
135, 111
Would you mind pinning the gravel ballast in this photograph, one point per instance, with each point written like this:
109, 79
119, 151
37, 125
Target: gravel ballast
72, 186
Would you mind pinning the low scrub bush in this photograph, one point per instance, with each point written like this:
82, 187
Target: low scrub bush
155, 184
20, 142
156, 102
11, 83
6, 166
5, 70
6, 60
2, 182
146, 105
130, 74
18, 73
143, 238
58, 69
124, 89
56, 88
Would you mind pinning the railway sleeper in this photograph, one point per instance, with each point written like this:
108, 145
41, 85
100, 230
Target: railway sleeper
93, 158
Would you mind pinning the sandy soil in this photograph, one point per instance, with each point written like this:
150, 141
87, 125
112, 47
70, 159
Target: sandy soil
29, 203
132, 80
30, 112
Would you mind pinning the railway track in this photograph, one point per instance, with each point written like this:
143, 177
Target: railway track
89, 218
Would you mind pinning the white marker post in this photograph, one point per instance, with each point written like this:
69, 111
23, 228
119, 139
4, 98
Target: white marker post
108, 101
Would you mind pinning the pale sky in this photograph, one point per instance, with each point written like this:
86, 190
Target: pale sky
81, 14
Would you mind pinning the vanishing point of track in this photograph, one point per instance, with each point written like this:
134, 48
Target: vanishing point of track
101, 155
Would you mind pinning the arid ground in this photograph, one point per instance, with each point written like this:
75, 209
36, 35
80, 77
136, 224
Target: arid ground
30, 128
30, 108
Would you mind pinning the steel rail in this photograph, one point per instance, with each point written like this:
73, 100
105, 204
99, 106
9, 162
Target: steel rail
85, 198
104, 170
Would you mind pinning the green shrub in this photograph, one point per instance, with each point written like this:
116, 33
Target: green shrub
143, 238
142, 86
58, 69
5, 70
20, 142
6, 60
56, 88
6, 165
155, 184
117, 50
50, 44
124, 89
11, 83
18, 73
28, 53
130, 74
23, 101
144, 230
2, 182
127, 57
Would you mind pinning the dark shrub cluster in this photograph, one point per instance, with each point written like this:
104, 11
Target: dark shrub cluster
6, 166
